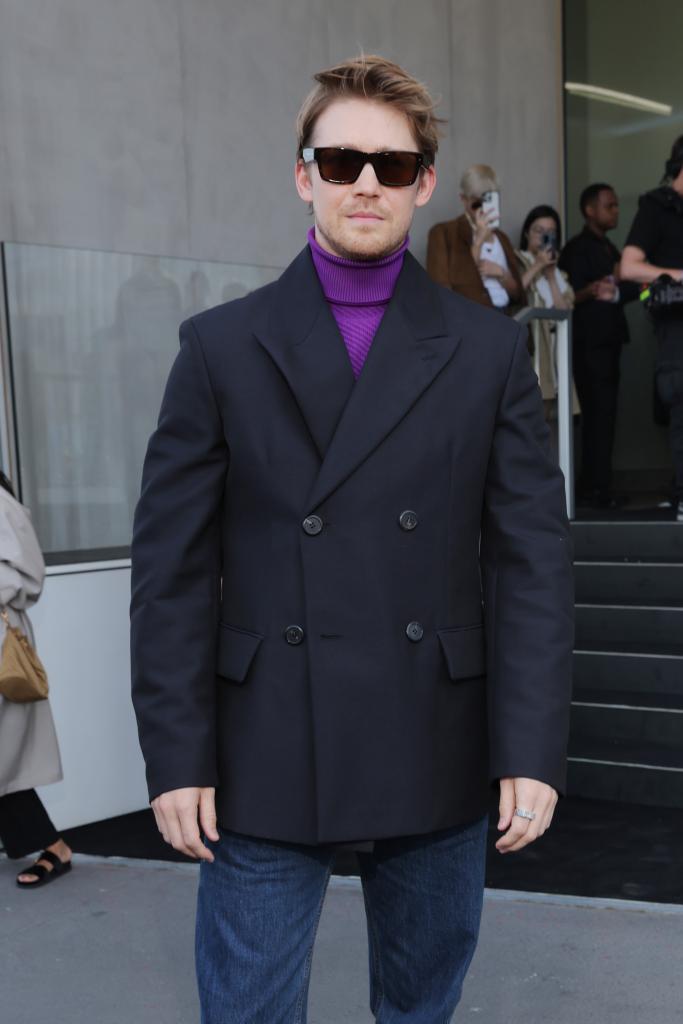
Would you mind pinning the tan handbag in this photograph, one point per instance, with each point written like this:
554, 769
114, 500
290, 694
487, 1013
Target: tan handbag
22, 676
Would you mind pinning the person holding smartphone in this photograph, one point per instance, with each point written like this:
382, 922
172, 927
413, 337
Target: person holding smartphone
470, 254
546, 287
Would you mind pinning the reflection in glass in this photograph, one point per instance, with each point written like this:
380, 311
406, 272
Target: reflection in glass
93, 336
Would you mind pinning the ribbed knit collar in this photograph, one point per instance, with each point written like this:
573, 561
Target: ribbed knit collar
356, 282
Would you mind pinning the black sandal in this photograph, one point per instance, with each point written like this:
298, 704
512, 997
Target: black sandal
43, 874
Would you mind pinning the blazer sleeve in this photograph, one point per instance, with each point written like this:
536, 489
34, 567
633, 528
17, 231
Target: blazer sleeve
527, 576
176, 575
437, 255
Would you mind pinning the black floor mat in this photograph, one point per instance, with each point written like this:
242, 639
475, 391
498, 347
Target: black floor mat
594, 848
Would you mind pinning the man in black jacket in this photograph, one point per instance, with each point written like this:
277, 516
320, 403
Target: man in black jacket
599, 330
352, 590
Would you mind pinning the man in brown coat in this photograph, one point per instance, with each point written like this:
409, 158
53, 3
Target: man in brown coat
470, 254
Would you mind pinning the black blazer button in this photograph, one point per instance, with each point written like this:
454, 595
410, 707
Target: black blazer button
407, 520
312, 525
414, 631
294, 635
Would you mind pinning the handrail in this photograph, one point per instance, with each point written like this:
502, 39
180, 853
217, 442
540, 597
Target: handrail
562, 317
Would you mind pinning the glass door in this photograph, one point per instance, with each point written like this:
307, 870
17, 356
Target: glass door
624, 108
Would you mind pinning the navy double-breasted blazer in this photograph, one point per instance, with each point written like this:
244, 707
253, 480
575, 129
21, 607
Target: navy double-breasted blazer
338, 670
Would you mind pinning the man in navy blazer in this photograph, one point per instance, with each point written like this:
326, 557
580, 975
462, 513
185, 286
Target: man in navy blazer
352, 604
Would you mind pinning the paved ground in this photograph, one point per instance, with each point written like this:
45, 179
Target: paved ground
112, 944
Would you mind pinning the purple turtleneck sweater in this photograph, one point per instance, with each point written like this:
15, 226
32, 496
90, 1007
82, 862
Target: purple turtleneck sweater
358, 293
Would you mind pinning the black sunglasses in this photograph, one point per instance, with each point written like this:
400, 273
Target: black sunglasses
340, 166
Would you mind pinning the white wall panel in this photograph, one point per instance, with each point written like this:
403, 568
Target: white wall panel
81, 627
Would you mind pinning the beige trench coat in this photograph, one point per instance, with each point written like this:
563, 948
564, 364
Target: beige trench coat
544, 340
29, 754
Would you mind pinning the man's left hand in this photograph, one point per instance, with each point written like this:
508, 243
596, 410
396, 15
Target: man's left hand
528, 795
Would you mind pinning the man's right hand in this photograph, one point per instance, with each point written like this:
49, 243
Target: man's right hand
180, 812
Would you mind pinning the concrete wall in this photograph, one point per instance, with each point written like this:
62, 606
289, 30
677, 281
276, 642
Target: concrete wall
166, 126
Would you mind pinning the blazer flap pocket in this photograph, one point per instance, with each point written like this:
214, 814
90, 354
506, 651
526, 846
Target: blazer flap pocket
465, 651
236, 650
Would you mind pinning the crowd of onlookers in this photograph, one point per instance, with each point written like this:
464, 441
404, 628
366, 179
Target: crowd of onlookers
588, 274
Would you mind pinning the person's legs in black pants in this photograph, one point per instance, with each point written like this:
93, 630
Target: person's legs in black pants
596, 373
676, 439
25, 825
670, 388
583, 389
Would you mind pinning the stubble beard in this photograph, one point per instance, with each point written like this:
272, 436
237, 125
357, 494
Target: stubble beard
362, 248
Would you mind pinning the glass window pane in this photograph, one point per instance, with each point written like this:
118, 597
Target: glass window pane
92, 339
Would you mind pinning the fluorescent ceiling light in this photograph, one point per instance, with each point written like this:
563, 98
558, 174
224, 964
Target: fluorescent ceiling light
621, 99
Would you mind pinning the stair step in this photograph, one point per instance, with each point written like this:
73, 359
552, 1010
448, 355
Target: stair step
613, 751
619, 670
640, 583
654, 630
612, 731
625, 784
626, 737
624, 541
633, 699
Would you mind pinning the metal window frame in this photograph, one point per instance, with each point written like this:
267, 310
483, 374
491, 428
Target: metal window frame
8, 426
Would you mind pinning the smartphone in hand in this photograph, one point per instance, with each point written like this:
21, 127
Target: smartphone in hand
549, 243
490, 204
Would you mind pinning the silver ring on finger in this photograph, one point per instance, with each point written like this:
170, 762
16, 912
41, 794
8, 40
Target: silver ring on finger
522, 813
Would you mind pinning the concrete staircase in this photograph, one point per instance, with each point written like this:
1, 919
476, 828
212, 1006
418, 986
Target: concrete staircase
626, 741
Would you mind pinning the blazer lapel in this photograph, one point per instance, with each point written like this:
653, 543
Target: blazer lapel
408, 352
302, 337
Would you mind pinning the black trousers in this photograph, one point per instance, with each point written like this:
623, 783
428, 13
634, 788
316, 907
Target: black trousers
669, 377
25, 825
596, 374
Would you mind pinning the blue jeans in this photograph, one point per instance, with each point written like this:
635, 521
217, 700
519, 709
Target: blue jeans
259, 905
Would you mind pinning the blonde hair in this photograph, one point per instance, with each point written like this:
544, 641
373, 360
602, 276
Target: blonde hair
477, 179
374, 78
